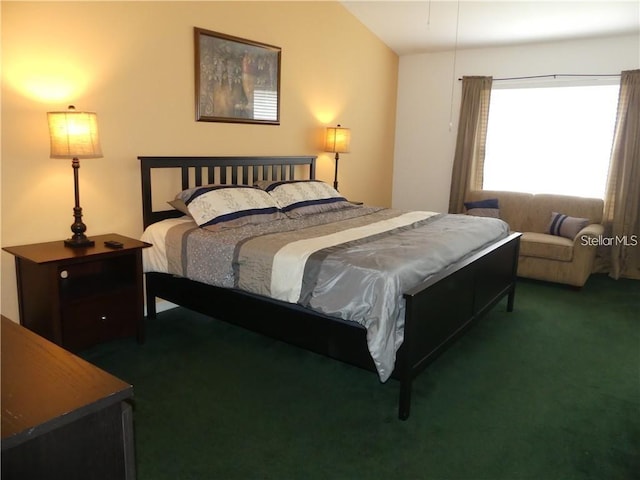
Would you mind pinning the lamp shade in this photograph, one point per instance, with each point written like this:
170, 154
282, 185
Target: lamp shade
74, 134
337, 139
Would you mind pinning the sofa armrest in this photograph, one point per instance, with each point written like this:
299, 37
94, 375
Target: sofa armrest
584, 249
586, 236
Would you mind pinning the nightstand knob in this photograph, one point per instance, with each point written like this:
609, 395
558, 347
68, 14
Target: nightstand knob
64, 274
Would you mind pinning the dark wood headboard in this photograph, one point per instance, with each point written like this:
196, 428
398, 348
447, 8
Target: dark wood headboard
196, 171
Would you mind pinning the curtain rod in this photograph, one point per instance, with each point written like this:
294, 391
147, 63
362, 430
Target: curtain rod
557, 75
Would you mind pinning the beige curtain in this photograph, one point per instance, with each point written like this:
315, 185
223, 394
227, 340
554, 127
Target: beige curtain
468, 162
622, 199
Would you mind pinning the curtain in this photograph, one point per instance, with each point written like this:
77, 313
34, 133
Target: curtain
622, 198
468, 162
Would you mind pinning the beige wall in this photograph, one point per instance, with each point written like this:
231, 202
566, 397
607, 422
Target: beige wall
132, 63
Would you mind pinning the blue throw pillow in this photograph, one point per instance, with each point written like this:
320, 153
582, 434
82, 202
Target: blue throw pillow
483, 208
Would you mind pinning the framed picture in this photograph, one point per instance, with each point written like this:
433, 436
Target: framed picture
237, 80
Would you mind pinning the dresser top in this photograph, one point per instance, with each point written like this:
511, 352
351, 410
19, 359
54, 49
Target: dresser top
45, 386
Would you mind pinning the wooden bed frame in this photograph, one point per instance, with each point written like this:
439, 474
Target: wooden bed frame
437, 311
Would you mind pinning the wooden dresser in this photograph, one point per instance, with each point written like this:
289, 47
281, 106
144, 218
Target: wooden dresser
62, 418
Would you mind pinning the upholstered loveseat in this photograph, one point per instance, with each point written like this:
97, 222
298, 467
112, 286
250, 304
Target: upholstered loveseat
566, 256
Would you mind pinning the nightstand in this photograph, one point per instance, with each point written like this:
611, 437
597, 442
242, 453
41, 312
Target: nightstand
77, 297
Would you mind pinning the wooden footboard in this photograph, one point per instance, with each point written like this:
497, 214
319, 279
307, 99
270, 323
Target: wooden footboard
439, 310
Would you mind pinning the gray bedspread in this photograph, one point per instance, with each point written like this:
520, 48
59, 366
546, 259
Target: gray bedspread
353, 264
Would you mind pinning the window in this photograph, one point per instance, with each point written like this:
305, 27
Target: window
550, 139
265, 104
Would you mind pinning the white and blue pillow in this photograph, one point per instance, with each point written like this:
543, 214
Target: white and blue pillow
297, 198
565, 226
224, 206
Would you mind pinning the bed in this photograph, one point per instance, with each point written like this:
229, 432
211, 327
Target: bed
435, 310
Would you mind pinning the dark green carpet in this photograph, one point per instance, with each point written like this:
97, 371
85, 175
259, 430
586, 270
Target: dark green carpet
550, 391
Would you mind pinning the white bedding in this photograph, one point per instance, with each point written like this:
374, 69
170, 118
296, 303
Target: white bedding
154, 259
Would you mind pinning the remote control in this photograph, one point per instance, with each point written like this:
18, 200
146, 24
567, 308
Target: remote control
113, 244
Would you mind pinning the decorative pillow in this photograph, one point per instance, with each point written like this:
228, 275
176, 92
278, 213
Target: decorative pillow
179, 205
566, 226
224, 206
303, 197
483, 208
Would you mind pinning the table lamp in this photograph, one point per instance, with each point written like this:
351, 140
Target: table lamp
74, 135
337, 141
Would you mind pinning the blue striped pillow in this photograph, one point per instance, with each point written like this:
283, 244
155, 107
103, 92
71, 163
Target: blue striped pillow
565, 226
483, 208
297, 198
223, 206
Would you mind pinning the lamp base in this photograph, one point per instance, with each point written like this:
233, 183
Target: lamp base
335, 178
79, 241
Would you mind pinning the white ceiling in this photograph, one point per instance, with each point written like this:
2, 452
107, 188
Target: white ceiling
418, 26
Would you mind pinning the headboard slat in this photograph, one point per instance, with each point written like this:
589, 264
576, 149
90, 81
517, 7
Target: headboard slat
185, 177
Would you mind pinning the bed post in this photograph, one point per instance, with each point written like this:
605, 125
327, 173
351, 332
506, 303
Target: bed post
151, 298
404, 363
404, 404
511, 298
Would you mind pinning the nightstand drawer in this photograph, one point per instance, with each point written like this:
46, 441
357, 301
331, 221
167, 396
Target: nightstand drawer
85, 323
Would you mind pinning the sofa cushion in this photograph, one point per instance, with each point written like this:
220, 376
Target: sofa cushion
483, 208
543, 205
566, 226
543, 245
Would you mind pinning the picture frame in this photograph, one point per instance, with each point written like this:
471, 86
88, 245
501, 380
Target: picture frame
236, 80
